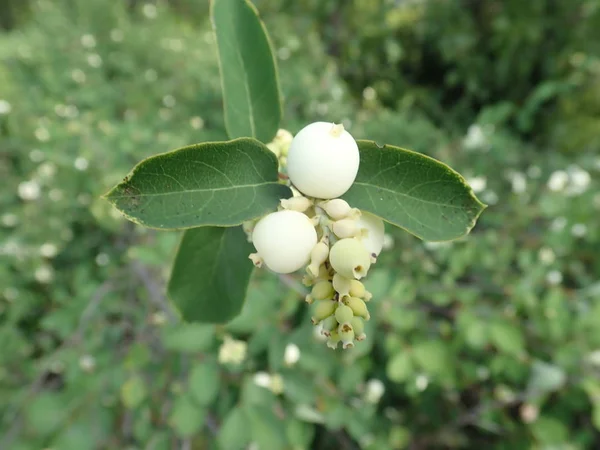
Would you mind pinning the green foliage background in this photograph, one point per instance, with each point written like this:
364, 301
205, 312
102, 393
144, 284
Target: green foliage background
492, 341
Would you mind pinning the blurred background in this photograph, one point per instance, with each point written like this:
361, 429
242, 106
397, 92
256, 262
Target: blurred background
491, 341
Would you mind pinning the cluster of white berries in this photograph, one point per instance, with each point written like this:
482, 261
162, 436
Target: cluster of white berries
319, 231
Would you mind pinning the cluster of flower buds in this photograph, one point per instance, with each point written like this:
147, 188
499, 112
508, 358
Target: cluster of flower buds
316, 230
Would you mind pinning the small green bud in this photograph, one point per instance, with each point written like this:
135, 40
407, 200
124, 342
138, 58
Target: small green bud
359, 307
333, 340
350, 258
357, 289
368, 296
309, 299
336, 209
318, 256
357, 325
344, 313
347, 338
341, 285
323, 310
344, 327
329, 325
322, 290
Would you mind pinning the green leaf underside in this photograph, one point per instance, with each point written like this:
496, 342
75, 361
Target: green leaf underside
248, 72
213, 183
211, 274
414, 192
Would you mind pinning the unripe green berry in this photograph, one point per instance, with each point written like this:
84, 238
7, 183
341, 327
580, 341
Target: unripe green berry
309, 299
347, 338
359, 307
368, 296
329, 324
357, 289
343, 327
318, 256
334, 339
350, 258
357, 325
322, 290
341, 285
345, 228
284, 240
322, 310
343, 313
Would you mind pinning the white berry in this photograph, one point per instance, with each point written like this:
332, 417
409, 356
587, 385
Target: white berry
374, 236
323, 160
284, 240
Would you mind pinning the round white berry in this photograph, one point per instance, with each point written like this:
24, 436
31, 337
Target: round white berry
350, 258
284, 240
323, 160
374, 236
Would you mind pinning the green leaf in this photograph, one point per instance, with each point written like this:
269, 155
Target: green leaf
204, 382
186, 418
189, 337
213, 183
248, 72
414, 192
507, 338
400, 367
234, 433
267, 430
210, 274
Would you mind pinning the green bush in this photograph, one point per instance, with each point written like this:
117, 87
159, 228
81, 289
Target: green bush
488, 342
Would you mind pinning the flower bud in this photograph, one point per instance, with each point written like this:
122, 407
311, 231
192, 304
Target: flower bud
357, 289
343, 313
318, 256
333, 340
358, 326
299, 204
359, 307
345, 228
256, 259
347, 338
323, 310
284, 240
322, 290
368, 296
329, 324
336, 209
350, 258
341, 285
309, 299
323, 160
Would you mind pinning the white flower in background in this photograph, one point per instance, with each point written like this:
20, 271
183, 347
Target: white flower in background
87, 363
529, 413
262, 379
11, 294
94, 60
558, 180
276, 384
554, 277
519, 182
421, 382
42, 134
546, 256
102, 259
169, 101
478, 184
232, 351
475, 138
594, 358
44, 274
149, 10
151, 75
81, 163
9, 220
88, 41
291, 354
117, 35
579, 180
374, 391
47, 170
48, 250
579, 230
489, 197
78, 76
36, 155
29, 190
5, 107
197, 123
558, 224
55, 195
369, 94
